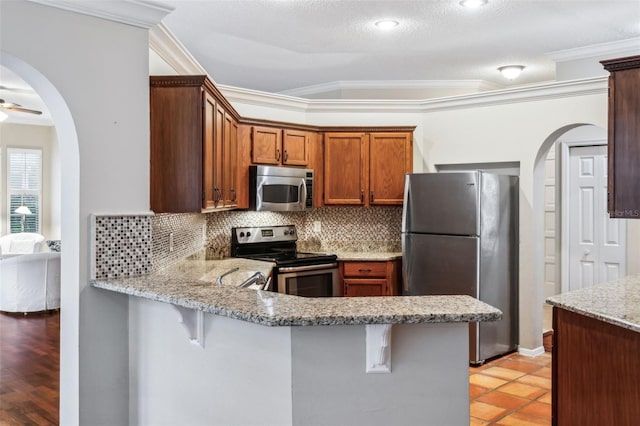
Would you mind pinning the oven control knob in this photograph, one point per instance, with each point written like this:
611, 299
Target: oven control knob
248, 234
241, 234
286, 232
291, 232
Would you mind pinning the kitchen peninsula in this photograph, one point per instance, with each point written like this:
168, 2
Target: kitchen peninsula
244, 356
596, 366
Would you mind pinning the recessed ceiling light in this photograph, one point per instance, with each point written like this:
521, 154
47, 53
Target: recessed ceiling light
511, 71
471, 4
387, 24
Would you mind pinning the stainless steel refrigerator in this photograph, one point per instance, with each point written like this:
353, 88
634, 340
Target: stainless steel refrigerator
460, 236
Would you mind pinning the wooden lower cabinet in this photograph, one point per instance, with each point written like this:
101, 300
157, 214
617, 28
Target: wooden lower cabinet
595, 372
370, 278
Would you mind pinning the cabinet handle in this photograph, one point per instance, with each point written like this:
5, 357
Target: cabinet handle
371, 197
233, 195
277, 155
364, 270
217, 195
286, 156
362, 196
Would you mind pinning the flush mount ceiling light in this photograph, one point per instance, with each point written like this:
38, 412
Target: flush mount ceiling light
511, 71
472, 4
387, 24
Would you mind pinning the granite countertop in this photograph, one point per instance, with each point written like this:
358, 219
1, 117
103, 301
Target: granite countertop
368, 256
189, 283
617, 302
355, 250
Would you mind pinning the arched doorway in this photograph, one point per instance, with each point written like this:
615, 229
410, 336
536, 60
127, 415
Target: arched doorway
563, 142
70, 232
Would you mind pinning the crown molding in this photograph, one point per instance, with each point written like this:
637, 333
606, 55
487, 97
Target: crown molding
530, 93
258, 98
594, 50
479, 85
172, 51
139, 13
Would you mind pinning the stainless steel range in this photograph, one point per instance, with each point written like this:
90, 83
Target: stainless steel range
297, 273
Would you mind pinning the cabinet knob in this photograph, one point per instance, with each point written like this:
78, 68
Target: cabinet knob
371, 196
286, 156
277, 155
233, 195
364, 270
362, 196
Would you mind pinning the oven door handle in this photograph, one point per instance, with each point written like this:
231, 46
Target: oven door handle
308, 268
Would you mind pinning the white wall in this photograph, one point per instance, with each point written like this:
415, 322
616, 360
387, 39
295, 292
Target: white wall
36, 137
93, 76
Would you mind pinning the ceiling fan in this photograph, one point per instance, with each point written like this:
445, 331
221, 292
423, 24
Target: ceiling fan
10, 106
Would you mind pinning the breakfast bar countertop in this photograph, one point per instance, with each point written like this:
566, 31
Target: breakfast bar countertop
616, 302
190, 283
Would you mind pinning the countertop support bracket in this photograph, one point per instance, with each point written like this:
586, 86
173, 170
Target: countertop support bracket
378, 348
193, 322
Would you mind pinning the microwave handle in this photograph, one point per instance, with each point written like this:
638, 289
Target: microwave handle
303, 197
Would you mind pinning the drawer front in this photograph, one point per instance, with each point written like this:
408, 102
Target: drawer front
365, 269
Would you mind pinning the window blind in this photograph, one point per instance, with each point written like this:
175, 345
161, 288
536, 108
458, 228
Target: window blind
24, 187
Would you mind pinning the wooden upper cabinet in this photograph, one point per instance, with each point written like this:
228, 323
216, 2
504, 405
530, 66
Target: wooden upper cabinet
266, 145
295, 147
280, 147
193, 146
230, 150
624, 137
345, 168
390, 158
366, 169
209, 152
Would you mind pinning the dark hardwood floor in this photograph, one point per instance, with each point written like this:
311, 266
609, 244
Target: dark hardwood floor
29, 368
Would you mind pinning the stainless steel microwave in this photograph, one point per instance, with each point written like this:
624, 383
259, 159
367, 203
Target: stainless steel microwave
280, 189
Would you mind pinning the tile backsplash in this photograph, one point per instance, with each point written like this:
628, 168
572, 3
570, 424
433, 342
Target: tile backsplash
121, 245
176, 236
355, 227
138, 244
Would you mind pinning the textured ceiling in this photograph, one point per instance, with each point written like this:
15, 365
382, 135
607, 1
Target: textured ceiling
279, 45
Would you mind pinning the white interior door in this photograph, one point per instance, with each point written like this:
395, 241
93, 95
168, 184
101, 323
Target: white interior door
597, 244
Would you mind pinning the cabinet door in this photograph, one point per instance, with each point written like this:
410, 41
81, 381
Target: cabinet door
219, 133
295, 148
390, 158
208, 152
345, 168
267, 145
624, 145
227, 163
364, 287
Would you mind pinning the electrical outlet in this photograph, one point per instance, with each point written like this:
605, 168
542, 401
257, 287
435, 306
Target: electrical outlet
317, 226
170, 242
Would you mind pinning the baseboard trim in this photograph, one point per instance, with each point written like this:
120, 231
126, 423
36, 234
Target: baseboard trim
531, 352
